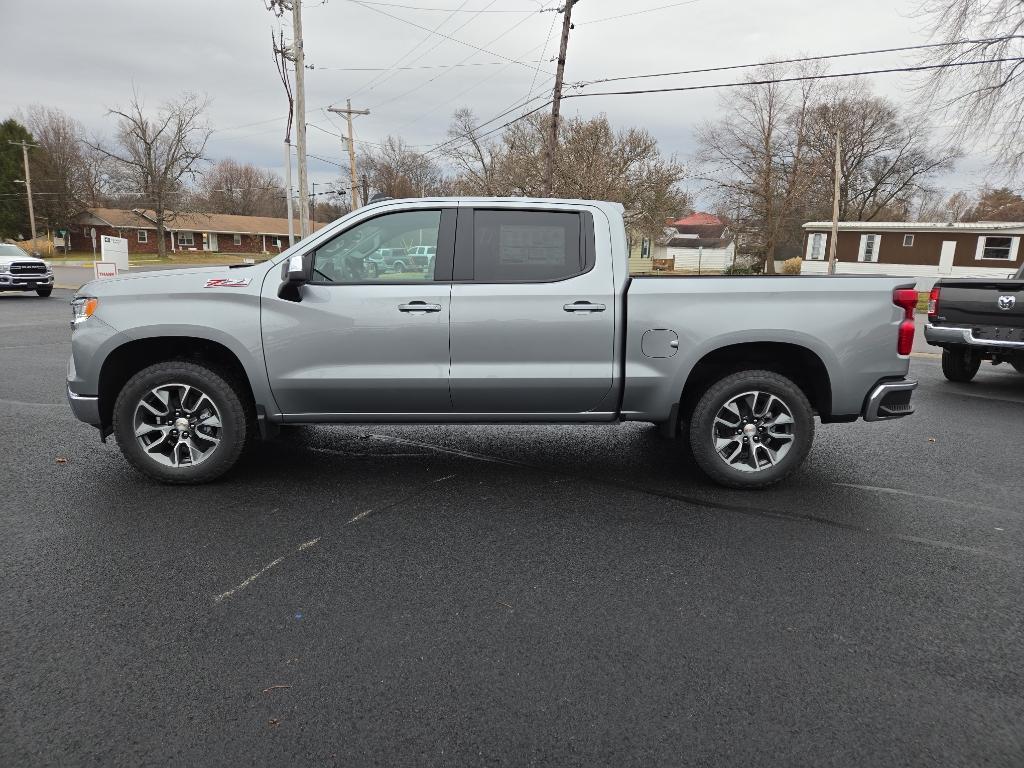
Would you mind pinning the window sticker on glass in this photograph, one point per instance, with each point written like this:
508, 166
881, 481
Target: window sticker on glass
531, 245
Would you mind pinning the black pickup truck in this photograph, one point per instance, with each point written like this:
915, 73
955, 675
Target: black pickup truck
977, 319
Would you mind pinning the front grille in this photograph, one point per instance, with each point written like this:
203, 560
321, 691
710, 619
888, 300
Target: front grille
27, 268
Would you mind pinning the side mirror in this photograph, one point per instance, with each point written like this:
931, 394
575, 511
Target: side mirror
295, 272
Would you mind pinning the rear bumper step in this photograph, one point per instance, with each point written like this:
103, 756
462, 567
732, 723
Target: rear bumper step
890, 400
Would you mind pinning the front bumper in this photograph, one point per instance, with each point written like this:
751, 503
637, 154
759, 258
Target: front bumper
85, 408
25, 283
943, 335
890, 400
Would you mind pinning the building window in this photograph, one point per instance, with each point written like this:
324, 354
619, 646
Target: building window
143, 235
816, 247
236, 239
186, 238
908, 241
869, 245
1001, 248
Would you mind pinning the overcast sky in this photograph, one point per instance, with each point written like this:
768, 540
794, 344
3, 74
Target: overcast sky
86, 56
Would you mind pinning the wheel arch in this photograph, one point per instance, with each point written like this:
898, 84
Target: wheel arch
796, 362
127, 359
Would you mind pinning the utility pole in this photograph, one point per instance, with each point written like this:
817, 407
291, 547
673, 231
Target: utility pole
28, 186
348, 112
288, 191
300, 114
835, 213
366, 188
556, 99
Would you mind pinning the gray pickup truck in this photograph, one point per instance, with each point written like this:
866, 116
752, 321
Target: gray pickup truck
529, 315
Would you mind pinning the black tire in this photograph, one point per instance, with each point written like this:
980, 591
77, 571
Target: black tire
703, 435
960, 364
237, 421
44, 292
398, 266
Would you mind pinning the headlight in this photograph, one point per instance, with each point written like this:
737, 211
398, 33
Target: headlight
49, 267
82, 308
4, 269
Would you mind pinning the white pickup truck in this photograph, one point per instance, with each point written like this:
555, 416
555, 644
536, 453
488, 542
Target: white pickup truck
527, 314
21, 272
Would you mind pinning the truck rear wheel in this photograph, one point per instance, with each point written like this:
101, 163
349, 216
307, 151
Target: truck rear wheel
181, 423
960, 364
751, 429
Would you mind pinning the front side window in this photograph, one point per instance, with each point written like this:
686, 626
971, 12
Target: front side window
526, 246
395, 246
997, 248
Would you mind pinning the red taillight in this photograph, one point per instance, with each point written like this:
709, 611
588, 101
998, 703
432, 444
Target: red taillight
906, 299
933, 303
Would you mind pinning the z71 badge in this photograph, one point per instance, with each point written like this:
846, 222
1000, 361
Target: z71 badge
227, 282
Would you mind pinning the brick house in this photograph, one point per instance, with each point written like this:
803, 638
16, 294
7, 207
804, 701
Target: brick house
213, 232
916, 249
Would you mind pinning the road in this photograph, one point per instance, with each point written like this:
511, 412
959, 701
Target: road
380, 595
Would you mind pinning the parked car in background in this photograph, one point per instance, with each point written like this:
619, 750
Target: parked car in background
21, 272
977, 319
390, 260
528, 316
421, 257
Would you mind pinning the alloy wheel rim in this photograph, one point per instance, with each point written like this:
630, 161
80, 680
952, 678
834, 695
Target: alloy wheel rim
753, 431
177, 425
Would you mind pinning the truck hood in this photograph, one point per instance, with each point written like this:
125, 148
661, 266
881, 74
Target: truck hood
183, 280
7, 260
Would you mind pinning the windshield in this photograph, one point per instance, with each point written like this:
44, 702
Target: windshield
8, 251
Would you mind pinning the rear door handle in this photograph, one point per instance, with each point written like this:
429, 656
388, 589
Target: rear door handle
419, 306
583, 306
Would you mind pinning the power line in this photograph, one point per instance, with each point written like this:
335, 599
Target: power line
801, 59
440, 34
402, 69
443, 73
638, 13
798, 78
408, 54
710, 86
449, 10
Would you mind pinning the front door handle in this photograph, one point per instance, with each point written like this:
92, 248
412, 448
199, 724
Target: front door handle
419, 306
583, 306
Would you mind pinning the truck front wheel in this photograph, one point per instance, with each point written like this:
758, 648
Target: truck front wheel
960, 364
751, 429
181, 423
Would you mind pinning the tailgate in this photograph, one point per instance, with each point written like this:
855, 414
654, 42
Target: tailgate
981, 302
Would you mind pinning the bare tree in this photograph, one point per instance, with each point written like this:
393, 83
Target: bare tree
60, 165
887, 158
988, 94
757, 157
397, 170
242, 189
158, 154
473, 155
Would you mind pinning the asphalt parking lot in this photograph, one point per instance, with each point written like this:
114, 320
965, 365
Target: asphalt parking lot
510, 595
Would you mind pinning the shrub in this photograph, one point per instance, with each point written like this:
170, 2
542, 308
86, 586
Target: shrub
792, 266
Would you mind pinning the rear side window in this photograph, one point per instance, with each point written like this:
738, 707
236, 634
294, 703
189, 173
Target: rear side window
526, 246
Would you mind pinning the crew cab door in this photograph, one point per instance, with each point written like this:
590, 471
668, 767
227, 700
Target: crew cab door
533, 316
361, 340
